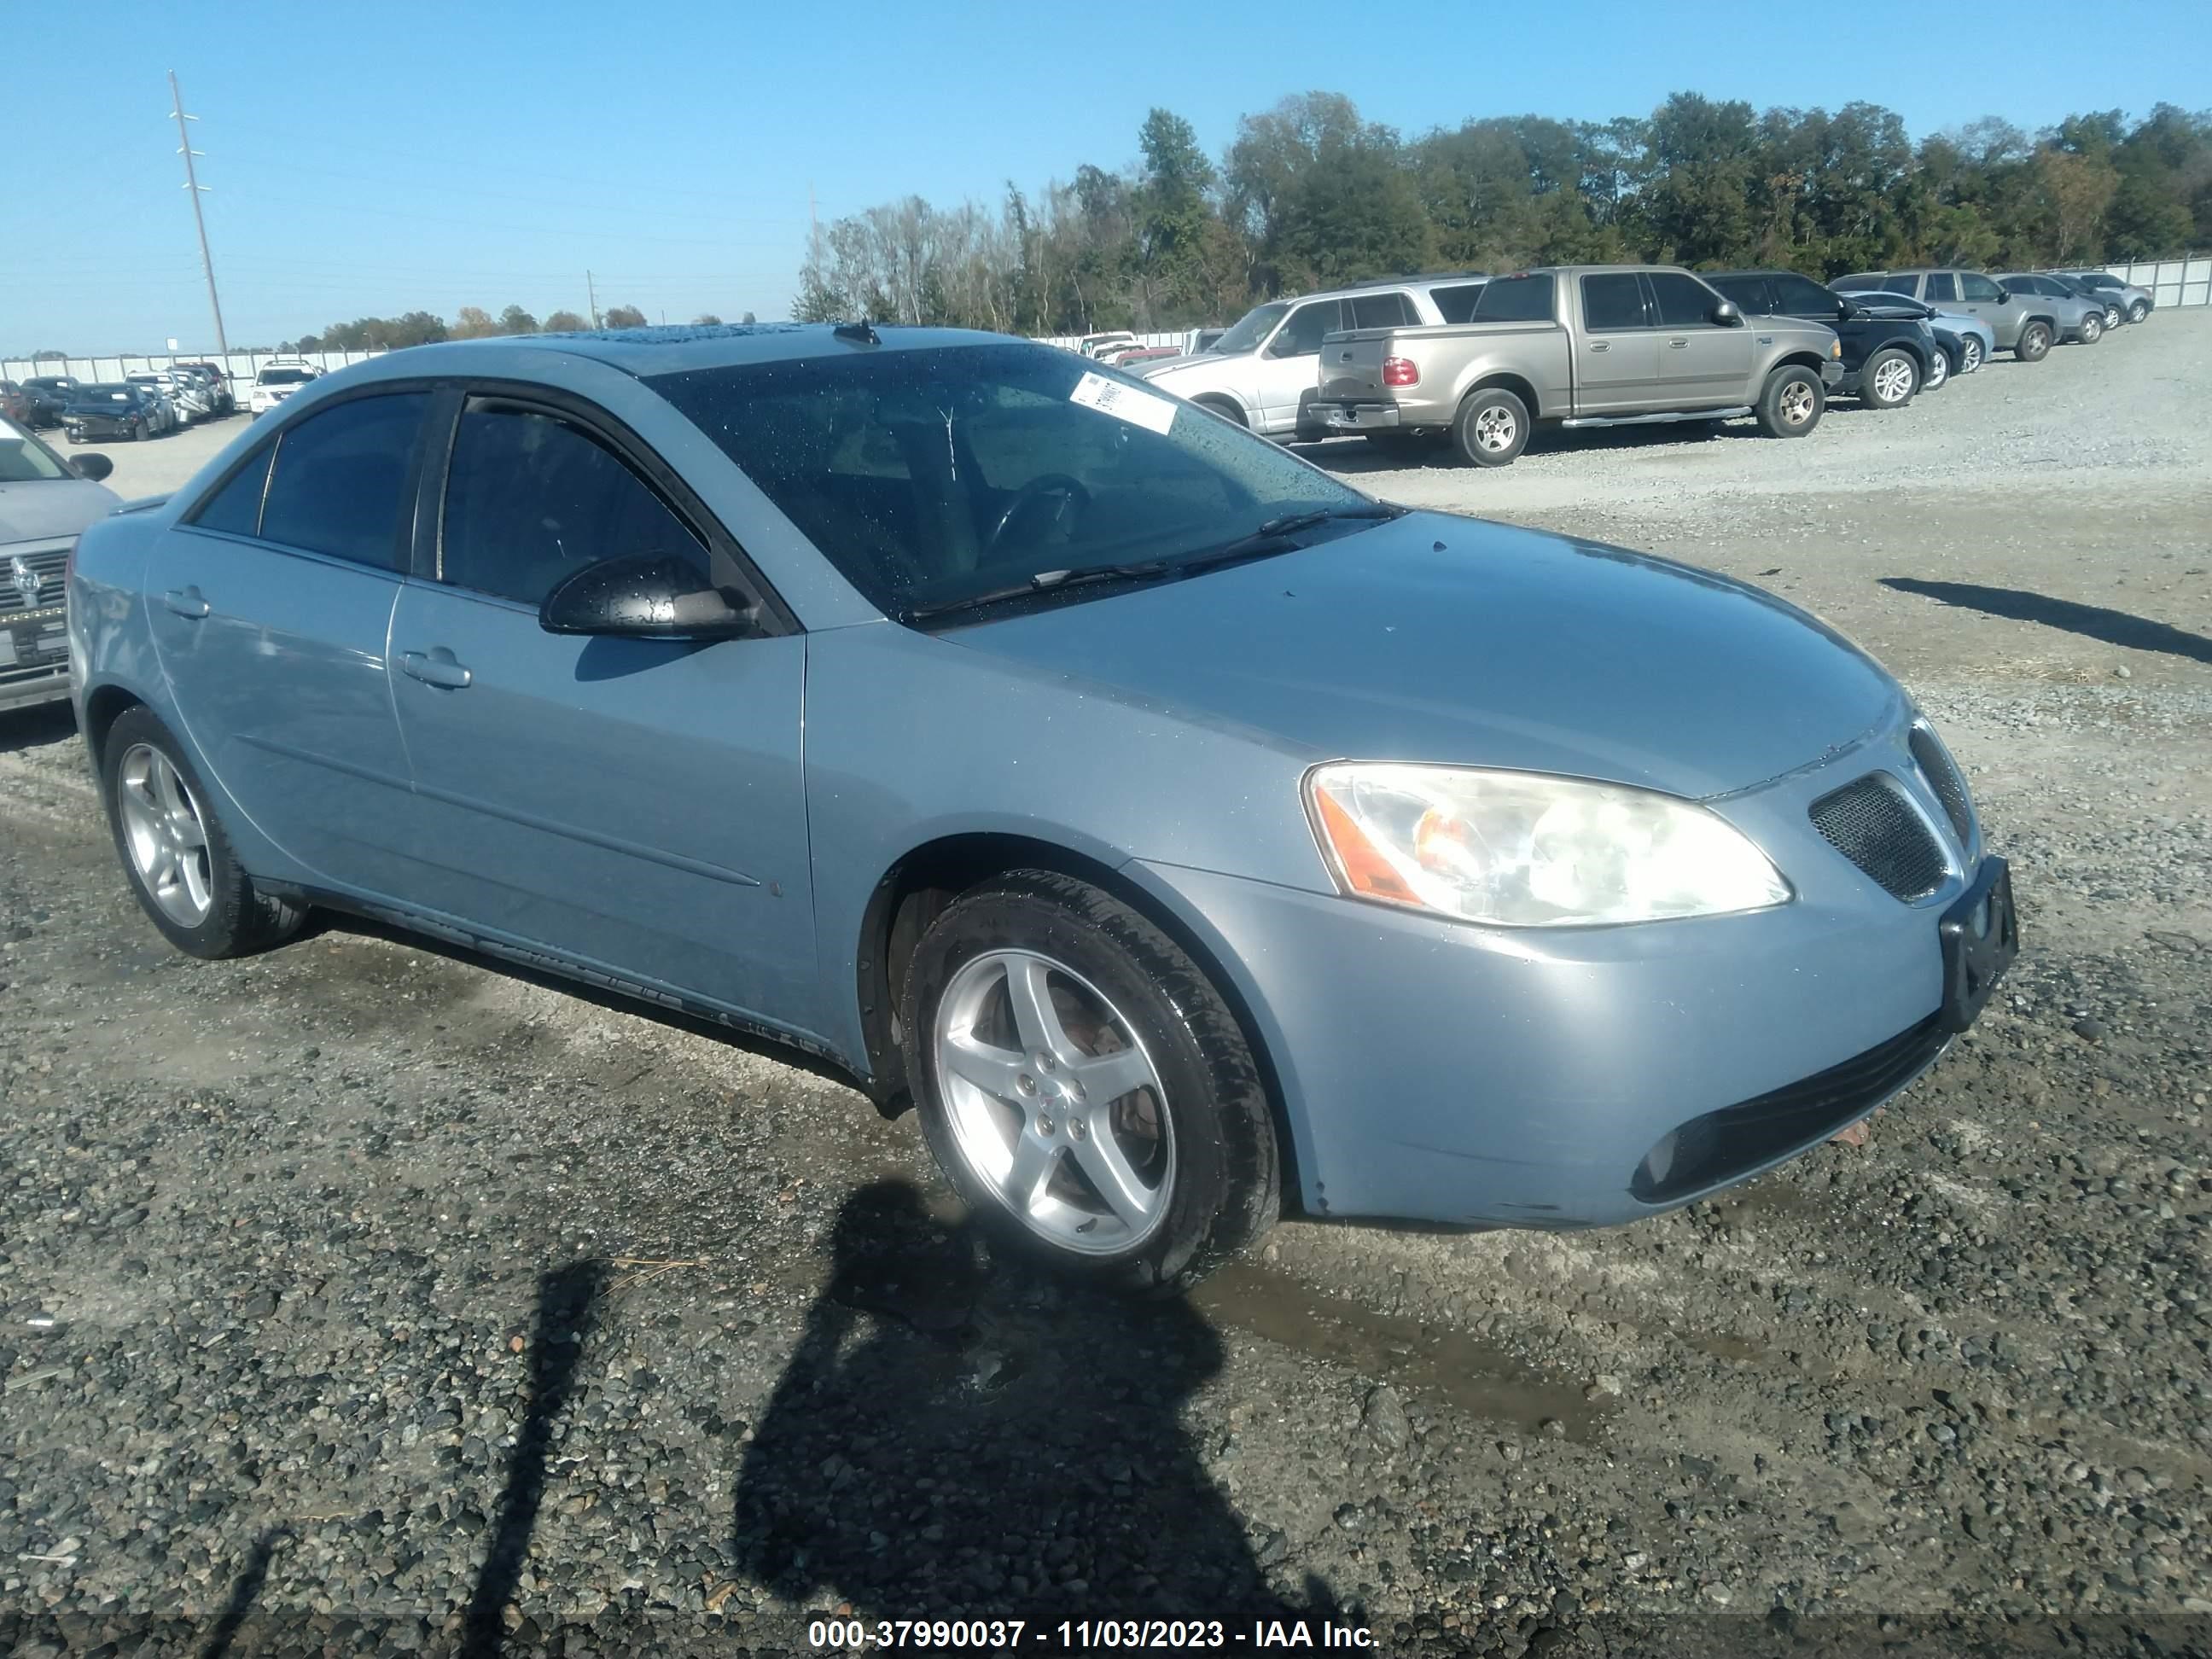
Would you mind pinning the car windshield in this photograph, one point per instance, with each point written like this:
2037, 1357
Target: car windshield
284, 376
932, 476
1253, 327
24, 460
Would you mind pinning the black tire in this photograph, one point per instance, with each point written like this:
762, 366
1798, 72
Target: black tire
1228, 411
2034, 343
1784, 409
1225, 1188
2092, 328
1893, 368
2138, 311
1491, 428
138, 432
240, 919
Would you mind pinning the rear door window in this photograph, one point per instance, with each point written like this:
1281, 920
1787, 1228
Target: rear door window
1801, 296
1901, 285
1612, 300
1752, 295
1683, 301
1515, 300
1941, 287
1456, 304
1979, 290
341, 483
1392, 310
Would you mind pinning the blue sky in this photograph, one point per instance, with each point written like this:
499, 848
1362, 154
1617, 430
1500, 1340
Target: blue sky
369, 158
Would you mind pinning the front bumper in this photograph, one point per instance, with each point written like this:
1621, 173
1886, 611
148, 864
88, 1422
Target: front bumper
1437, 1072
102, 426
33, 654
1357, 417
1831, 375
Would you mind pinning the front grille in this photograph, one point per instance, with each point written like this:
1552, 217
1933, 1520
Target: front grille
46, 566
1871, 824
1943, 778
1722, 1145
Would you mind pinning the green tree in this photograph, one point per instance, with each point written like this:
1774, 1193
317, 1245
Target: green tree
565, 322
515, 320
708, 320
473, 323
748, 319
625, 316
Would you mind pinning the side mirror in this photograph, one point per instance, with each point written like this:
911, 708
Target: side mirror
2003, 295
1847, 308
1727, 315
94, 467
1283, 346
653, 598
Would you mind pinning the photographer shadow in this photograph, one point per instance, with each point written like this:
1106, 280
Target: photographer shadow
954, 1436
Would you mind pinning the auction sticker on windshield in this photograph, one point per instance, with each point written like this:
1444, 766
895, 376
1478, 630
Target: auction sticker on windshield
1126, 403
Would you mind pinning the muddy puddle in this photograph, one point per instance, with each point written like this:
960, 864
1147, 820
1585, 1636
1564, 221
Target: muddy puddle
1445, 1367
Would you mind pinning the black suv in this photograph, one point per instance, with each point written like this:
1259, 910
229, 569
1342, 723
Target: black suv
1886, 359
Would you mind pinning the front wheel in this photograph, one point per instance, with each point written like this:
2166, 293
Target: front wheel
2034, 344
1969, 354
2113, 317
2092, 328
1791, 403
180, 861
1083, 1086
2138, 311
1492, 427
1889, 380
1939, 370
137, 432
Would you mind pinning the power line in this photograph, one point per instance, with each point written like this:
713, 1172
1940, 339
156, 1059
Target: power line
193, 188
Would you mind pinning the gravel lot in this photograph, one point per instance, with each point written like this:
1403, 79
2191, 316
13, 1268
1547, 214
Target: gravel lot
362, 1295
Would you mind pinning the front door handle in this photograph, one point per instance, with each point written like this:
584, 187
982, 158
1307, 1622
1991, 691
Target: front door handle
436, 667
1679, 344
1600, 345
185, 602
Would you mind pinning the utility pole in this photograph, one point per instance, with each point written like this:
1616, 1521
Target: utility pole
193, 187
593, 301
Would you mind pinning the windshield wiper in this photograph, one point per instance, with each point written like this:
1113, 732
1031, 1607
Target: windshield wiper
1273, 534
1045, 582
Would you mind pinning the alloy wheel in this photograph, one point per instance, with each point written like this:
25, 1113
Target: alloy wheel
2092, 328
1797, 402
1972, 353
1892, 381
1495, 429
164, 829
1939, 368
1054, 1104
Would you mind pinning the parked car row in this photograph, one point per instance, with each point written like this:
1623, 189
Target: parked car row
44, 500
1480, 362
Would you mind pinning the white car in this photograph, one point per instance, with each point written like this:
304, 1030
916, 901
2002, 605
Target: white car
186, 396
276, 381
1263, 372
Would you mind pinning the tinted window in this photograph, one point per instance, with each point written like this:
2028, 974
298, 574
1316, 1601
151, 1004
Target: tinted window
1684, 301
1975, 287
1381, 311
532, 498
1515, 300
340, 482
1612, 300
1750, 294
1801, 296
1456, 304
1301, 335
928, 476
236, 508
1940, 286
1900, 285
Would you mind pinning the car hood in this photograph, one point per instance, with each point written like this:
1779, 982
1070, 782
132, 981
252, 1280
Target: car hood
1449, 640
1153, 371
47, 507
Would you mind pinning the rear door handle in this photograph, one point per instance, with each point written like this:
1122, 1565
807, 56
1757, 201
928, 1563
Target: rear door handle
436, 667
185, 602
1677, 345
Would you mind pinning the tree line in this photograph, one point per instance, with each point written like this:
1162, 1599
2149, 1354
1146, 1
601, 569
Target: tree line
1309, 195
470, 323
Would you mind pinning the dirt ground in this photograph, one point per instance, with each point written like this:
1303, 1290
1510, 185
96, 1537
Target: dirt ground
364, 1297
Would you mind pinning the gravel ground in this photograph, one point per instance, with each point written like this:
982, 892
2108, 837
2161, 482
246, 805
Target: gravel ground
361, 1296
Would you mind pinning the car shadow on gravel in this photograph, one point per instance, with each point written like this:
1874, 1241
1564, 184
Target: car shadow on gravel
955, 1436
36, 727
2094, 621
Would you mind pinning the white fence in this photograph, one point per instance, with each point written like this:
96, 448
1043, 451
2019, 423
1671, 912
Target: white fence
240, 366
2172, 282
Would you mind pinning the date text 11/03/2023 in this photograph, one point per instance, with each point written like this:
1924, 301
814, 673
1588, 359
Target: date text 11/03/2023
1082, 1635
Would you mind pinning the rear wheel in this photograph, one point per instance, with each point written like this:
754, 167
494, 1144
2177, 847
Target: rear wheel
1889, 380
1791, 403
2034, 344
1492, 427
1082, 1084
1969, 354
180, 863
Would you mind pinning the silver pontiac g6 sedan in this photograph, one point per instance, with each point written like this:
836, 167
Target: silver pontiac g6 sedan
1181, 831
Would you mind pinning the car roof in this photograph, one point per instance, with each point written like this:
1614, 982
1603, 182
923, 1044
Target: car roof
663, 350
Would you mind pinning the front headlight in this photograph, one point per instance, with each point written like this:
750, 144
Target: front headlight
1519, 850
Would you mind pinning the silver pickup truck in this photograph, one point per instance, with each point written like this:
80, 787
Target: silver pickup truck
1575, 346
